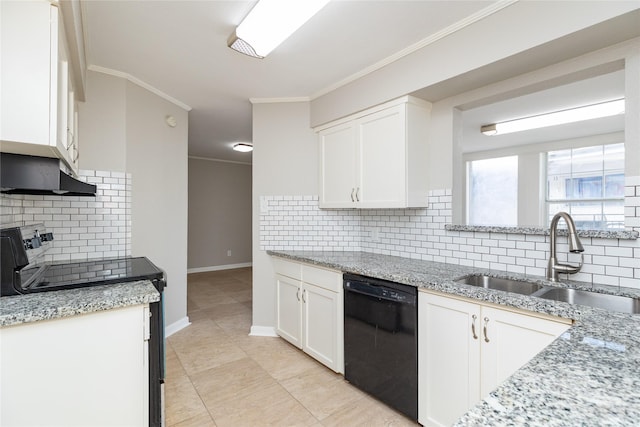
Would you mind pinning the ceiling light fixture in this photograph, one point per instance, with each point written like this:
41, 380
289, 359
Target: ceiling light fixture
243, 147
587, 112
269, 23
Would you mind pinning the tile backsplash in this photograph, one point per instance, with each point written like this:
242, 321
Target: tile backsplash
83, 227
296, 223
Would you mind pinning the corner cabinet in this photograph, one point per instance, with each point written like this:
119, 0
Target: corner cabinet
310, 310
467, 349
38, 112
89, 369
376, 158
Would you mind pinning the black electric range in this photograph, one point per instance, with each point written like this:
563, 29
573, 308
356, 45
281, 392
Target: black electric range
23, 271
70, 275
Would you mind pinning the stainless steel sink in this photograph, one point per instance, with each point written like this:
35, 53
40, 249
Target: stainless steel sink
592, 299
507, 285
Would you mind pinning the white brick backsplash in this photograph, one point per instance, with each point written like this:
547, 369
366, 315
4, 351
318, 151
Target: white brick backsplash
632, 203
296, 223
83, 227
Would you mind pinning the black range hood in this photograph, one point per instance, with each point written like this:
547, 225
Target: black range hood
21, 174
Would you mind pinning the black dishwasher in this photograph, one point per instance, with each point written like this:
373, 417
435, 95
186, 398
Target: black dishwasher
381, 340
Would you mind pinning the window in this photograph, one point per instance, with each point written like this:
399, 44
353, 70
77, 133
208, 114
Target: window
588, 183
493, 191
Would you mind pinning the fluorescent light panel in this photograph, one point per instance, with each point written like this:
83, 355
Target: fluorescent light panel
588, 112
271, 22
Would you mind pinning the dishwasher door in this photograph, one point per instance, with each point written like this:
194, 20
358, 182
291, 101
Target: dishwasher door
381, 341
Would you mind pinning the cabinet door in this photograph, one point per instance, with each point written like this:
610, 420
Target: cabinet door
513, 340
29, 65
337, 166
382, 155
320, 324
289, 314
85, 370
448, 358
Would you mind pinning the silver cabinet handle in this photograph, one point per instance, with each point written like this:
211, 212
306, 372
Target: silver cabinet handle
352, 198
486, 338
69, 138
473, 327
298, 294
358, 194
303, 298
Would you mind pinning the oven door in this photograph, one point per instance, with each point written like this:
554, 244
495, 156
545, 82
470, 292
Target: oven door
156, 358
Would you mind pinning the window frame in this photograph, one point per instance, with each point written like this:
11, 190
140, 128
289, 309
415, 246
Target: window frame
569, 201
532, 206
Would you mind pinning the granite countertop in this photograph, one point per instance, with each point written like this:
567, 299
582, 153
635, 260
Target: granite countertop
20, 309
590, 375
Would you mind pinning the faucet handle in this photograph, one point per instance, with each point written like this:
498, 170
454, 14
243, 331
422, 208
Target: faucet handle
568, 268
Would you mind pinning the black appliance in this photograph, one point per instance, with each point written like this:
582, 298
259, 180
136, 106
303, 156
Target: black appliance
22, 174
20, 277
381, 340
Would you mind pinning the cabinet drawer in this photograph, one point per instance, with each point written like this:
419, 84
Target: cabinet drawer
287, 268
330, 280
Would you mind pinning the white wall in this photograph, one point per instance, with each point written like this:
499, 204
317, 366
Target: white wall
219, 215
156, 157
125, 130
515, 29
284, 162
102, 125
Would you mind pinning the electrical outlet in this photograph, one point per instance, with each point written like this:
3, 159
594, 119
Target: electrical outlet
229, 252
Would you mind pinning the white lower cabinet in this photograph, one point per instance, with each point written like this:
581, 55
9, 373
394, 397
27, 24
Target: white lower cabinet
310, 311
466, 349
85, 370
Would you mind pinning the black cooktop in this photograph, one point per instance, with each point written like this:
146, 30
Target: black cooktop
57, 276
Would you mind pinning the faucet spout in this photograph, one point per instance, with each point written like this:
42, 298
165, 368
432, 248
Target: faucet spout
575, 246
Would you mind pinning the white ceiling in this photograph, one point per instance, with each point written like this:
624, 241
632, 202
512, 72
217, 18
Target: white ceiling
180, 48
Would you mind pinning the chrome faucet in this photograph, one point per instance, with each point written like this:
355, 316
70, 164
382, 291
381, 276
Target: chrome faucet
575, 246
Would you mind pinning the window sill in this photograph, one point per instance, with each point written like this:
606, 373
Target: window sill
598, 234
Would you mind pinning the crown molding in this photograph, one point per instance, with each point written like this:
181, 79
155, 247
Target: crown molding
140, 83
209, 159
457, 26
279, 100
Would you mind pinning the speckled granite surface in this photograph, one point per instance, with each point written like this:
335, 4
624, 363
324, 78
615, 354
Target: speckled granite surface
602, 234
588, 376
34, 307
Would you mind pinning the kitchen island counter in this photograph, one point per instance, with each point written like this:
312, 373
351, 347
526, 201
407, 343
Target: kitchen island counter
19, 309
587, 376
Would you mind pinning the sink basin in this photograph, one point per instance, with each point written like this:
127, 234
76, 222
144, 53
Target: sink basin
507, 285
593, 299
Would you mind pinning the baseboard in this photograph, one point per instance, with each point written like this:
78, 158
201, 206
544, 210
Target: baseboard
176, 326
263, 331
218, 267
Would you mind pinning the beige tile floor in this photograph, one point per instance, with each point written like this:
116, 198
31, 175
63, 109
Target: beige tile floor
217, 375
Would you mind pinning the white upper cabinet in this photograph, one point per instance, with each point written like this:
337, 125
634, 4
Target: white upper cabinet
376, 158
38, 98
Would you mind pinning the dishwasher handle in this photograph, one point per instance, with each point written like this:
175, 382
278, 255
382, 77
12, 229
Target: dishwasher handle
381, 292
